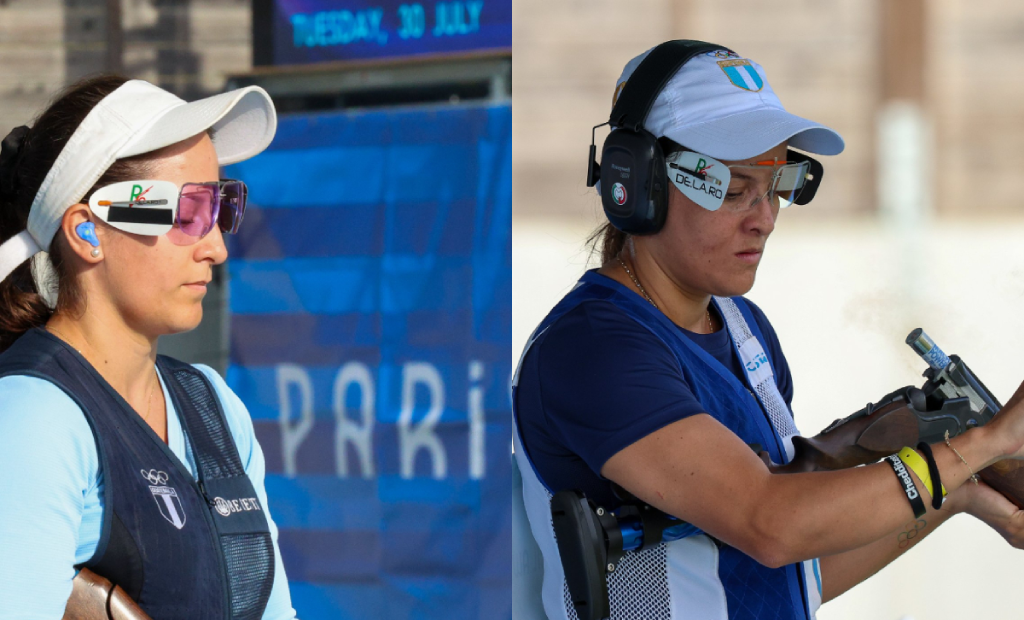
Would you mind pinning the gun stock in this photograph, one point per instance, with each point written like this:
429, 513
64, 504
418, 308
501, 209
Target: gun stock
1007, 477
95, 598
880, 430
868, 435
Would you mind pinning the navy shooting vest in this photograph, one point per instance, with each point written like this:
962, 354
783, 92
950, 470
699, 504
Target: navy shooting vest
693, 577
179, 548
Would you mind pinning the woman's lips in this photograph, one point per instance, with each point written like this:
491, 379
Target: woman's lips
749, 256
196, 286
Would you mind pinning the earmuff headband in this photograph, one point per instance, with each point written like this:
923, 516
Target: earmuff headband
641, 90
643, 86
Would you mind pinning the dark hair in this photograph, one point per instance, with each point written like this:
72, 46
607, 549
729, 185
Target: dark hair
21, 305
609, 240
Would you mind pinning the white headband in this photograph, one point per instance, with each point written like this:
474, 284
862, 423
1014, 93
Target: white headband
136, 118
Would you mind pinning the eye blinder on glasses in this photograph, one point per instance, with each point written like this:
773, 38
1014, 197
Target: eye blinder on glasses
155, 208
704, 180
812, 179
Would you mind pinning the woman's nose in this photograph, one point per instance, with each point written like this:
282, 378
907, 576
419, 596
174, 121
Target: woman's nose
212, 247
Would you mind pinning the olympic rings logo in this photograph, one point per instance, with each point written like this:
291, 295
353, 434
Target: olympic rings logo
723, 54
154, 476
905, 537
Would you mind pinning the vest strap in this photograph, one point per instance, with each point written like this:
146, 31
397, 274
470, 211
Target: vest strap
759, 373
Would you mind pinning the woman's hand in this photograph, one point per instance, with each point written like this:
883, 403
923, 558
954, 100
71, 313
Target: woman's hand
1007, 428
988, 505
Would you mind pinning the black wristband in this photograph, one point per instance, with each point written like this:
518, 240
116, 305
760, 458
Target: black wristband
933, 471
913, 495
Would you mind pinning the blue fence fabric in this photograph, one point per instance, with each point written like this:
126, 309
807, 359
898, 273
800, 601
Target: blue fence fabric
371, 318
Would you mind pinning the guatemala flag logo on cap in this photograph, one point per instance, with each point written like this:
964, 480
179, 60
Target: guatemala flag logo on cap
741, 73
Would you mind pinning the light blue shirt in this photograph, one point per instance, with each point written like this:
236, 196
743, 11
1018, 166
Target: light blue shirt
51, 493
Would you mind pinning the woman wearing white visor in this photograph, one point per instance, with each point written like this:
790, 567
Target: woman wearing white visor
141, 468
648, 383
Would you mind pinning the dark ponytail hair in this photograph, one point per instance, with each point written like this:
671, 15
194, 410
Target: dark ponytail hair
609, 240
21, 305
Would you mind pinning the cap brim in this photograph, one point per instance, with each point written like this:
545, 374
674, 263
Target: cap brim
243, 123
748, 134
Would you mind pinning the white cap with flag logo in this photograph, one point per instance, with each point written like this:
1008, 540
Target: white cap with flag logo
721, 104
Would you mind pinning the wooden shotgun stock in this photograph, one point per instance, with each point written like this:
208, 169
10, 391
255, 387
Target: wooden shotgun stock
95, 598
880, 430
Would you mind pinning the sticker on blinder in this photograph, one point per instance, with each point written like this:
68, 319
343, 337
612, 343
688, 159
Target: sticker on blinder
139, 207
700, 178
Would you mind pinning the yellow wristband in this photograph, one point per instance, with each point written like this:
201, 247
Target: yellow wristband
913, 460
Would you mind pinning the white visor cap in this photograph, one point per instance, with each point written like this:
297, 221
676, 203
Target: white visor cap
137, 118
720, 104
243, 122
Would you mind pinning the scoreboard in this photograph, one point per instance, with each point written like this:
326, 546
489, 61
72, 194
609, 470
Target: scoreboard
310, 31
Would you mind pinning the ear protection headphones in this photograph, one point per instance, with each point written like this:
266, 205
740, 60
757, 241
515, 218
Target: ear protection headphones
634, 182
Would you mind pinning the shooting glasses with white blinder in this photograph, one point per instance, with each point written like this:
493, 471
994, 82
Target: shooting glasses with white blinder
740, 187
185, 215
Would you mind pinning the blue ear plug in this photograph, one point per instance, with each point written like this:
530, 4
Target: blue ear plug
87, 232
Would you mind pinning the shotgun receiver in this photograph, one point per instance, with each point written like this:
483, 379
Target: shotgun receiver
951, 400
95, 598
955, 380
591, 539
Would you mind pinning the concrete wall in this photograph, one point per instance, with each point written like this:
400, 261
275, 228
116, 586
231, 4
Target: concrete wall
187, 47
977, 105
31, 58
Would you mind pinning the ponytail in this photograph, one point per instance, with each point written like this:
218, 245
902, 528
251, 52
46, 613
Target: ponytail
21, 306
607, 240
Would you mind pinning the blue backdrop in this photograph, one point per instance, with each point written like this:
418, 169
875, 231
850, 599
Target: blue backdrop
371, 313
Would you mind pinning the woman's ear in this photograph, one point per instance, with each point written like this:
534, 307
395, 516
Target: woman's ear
81, 233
